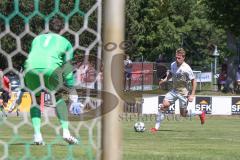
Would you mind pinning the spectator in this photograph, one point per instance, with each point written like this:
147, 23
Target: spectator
5, 88
76, 107
82, 73
238, 79
17, 88
127, 72
161, 69
18, 100
99, 78
222, 78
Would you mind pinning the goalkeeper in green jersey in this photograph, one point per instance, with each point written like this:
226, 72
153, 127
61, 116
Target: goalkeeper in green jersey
50, 57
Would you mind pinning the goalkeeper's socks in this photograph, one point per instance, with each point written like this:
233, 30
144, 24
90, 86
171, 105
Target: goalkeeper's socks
64, 124
36, 122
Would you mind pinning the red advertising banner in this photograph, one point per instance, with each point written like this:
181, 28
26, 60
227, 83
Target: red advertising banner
142, 75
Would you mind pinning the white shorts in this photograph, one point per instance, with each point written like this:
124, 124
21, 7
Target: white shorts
173, 95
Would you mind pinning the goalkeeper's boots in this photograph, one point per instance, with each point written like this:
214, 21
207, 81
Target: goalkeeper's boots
69, 139
202, 117
38, 140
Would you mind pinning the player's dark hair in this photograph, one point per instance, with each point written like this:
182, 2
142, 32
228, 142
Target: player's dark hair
56, 25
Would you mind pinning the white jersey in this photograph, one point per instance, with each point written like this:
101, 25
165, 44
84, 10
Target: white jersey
181, 75
238, 76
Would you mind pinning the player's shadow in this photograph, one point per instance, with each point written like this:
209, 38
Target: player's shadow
169, 130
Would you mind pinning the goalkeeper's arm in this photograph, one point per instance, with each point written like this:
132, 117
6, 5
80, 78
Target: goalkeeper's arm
68, 75
68, 68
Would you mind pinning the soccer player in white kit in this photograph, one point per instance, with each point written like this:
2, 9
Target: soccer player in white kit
181, 73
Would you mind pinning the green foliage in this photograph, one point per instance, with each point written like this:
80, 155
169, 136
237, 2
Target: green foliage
224, 13
6, 7
153, 26
160, 27
8, 43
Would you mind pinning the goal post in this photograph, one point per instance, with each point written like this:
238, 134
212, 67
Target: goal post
113, 32
84, 20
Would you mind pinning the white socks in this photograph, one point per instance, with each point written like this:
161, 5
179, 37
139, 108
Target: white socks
160, 118
194, 112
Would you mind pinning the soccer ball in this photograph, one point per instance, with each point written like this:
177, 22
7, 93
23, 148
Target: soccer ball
139, 127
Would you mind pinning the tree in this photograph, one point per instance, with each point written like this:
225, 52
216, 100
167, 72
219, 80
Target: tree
225, 14
159, 27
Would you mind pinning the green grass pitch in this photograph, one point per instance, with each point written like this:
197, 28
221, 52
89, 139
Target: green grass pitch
185, 139
182, 139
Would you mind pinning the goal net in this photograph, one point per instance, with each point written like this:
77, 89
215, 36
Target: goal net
20, 22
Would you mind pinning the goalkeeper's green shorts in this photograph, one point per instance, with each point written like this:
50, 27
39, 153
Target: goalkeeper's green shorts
51, 80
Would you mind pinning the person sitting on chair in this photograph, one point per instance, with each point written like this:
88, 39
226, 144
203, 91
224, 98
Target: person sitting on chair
238, 79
